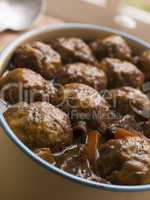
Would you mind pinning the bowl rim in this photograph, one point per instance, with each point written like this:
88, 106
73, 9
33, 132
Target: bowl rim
25, 149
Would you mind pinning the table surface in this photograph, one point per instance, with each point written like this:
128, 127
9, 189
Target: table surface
8, 36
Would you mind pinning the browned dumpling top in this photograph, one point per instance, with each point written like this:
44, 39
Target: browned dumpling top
84, 103
74, 50
39, 57
129, 100
39, 125
22, 84
82, 73
122, 73
112, 46
126, 161
144, 64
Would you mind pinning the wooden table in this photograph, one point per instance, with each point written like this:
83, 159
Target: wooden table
8, 36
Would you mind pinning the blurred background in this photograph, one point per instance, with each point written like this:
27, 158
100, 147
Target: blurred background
17, 16
132, 16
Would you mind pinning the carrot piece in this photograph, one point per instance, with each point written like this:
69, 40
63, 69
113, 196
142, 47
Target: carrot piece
123, 133
92, 143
